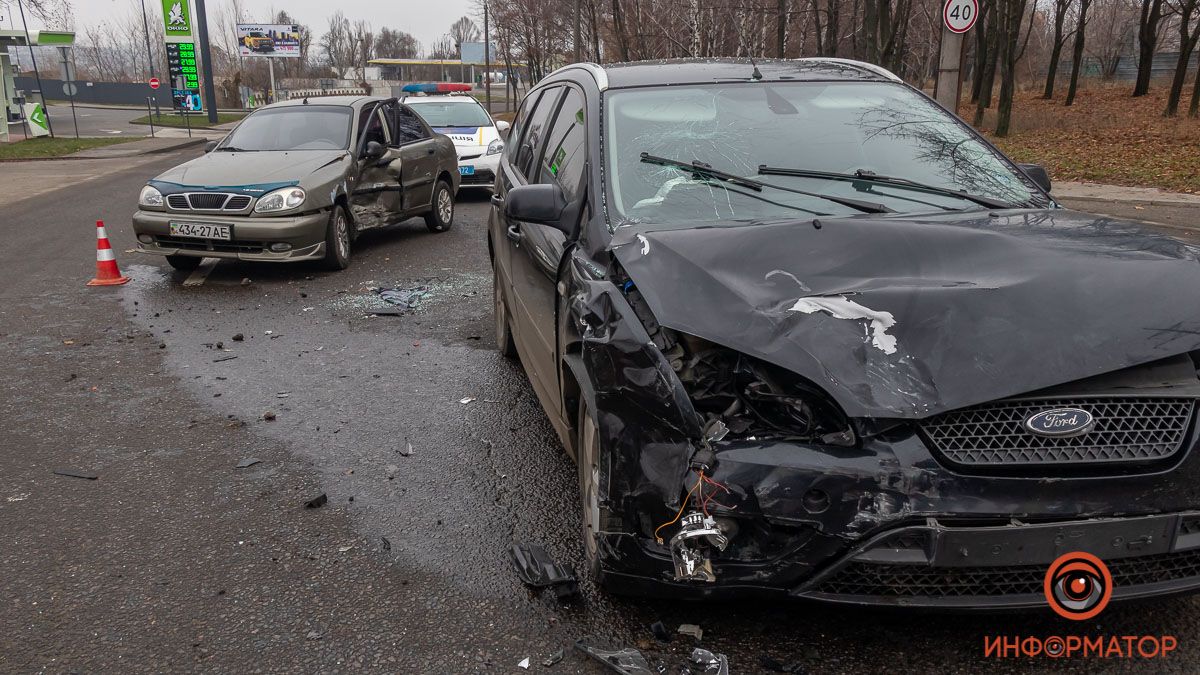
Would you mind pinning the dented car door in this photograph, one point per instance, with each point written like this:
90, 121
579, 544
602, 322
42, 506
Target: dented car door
377, 196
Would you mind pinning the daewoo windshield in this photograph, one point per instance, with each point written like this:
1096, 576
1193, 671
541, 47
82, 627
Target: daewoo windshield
302, 127
801, 143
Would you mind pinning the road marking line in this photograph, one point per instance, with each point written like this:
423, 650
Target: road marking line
198, 275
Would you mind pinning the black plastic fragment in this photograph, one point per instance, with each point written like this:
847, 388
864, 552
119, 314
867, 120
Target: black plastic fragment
553, 659
316, 502
661, 632
628, 660
708, 663
77, 473
537, 569
248, 462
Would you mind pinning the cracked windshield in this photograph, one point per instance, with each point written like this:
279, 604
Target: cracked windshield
801, 149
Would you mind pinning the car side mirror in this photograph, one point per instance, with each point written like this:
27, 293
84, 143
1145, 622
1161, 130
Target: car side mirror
1038, 174
374, 150
210, 146
541, 203
502, 126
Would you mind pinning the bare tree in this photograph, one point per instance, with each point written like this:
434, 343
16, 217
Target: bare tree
1081, 23
1188, 35
1060, 39
463, 30
1151, 18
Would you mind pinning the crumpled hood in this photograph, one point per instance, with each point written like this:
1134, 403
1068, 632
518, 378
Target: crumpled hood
906, 318
230, 169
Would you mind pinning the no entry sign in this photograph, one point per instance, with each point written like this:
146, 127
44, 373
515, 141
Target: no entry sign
154, 83
960, 15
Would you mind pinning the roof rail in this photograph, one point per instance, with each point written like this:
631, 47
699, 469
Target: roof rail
596, 71
878, 70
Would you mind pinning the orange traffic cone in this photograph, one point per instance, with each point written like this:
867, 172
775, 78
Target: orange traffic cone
107, 273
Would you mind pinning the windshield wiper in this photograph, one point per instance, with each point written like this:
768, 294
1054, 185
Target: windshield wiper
871, 176
230, 148
701, 169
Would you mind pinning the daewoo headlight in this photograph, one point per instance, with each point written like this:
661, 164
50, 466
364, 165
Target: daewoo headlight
280, 200
495, 147
150, 196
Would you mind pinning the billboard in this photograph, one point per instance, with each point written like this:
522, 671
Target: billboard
472, 52
279, 40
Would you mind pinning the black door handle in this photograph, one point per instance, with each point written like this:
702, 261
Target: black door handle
497, 200
514, 234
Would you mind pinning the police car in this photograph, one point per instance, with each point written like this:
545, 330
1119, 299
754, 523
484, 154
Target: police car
475, 134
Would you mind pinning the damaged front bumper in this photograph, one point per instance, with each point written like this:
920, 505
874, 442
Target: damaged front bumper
887, 524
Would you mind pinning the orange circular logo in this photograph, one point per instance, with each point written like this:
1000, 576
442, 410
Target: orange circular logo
1078, 586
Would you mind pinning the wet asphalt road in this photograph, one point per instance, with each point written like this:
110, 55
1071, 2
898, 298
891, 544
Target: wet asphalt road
176, 560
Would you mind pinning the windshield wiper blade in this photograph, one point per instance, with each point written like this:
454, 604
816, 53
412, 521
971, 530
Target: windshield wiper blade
701, 169
230, 148
871, 176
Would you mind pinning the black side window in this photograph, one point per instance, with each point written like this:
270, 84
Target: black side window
533, 137
566, 147
406, 126
372, 127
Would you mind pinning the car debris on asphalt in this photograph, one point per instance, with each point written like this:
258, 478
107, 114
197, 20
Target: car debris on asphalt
554, 658
523, 664
661, 632
317, 502
691, 629
248, 462
537, 569
76, 473
628, 660
709, 663
408, 298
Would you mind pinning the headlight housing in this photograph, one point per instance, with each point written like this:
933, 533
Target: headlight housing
495, 147
284, 199
150, 196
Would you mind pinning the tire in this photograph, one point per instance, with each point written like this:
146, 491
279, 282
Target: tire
504, 339
184, 263
338, 236
441, 212
596, 517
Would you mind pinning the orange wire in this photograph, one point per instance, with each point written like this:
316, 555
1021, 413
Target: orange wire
681, 508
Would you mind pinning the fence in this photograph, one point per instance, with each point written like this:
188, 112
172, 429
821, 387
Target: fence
108, 93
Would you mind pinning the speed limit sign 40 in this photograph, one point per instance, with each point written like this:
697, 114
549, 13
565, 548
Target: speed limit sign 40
960, 15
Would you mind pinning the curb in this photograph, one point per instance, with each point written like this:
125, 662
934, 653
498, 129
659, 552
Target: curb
1152, 201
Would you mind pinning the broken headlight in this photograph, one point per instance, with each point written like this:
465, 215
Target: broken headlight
755, 399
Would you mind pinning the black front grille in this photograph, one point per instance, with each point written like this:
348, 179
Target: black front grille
208, 201
917, 581
211, 245
237, 203
178, 202
1127, 429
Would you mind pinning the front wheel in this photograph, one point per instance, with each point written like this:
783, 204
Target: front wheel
441, 214
337, 240
596, 516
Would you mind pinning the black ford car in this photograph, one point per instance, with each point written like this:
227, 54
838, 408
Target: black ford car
804, 331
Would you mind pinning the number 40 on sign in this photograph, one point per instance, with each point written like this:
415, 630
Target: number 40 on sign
960, 15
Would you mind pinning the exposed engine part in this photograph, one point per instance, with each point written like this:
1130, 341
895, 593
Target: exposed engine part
692, 545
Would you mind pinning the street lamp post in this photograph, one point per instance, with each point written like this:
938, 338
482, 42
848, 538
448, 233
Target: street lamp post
149, 54
487, 62
36, 75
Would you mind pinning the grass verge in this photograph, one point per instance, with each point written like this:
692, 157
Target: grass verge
178, 121
44, 147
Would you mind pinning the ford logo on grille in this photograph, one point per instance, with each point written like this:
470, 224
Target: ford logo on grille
1060, 423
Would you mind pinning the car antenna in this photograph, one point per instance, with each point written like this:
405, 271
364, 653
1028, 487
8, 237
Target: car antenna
756, 74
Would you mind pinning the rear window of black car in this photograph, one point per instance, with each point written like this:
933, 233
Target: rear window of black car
303, 127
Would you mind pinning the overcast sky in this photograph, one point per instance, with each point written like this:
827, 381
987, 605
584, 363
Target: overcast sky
413, 16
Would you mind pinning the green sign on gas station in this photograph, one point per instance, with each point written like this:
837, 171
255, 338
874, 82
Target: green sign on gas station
177, 18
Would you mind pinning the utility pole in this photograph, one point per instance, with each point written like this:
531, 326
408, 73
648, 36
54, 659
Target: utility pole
36, 75
149, 54
210, 93
487, 62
